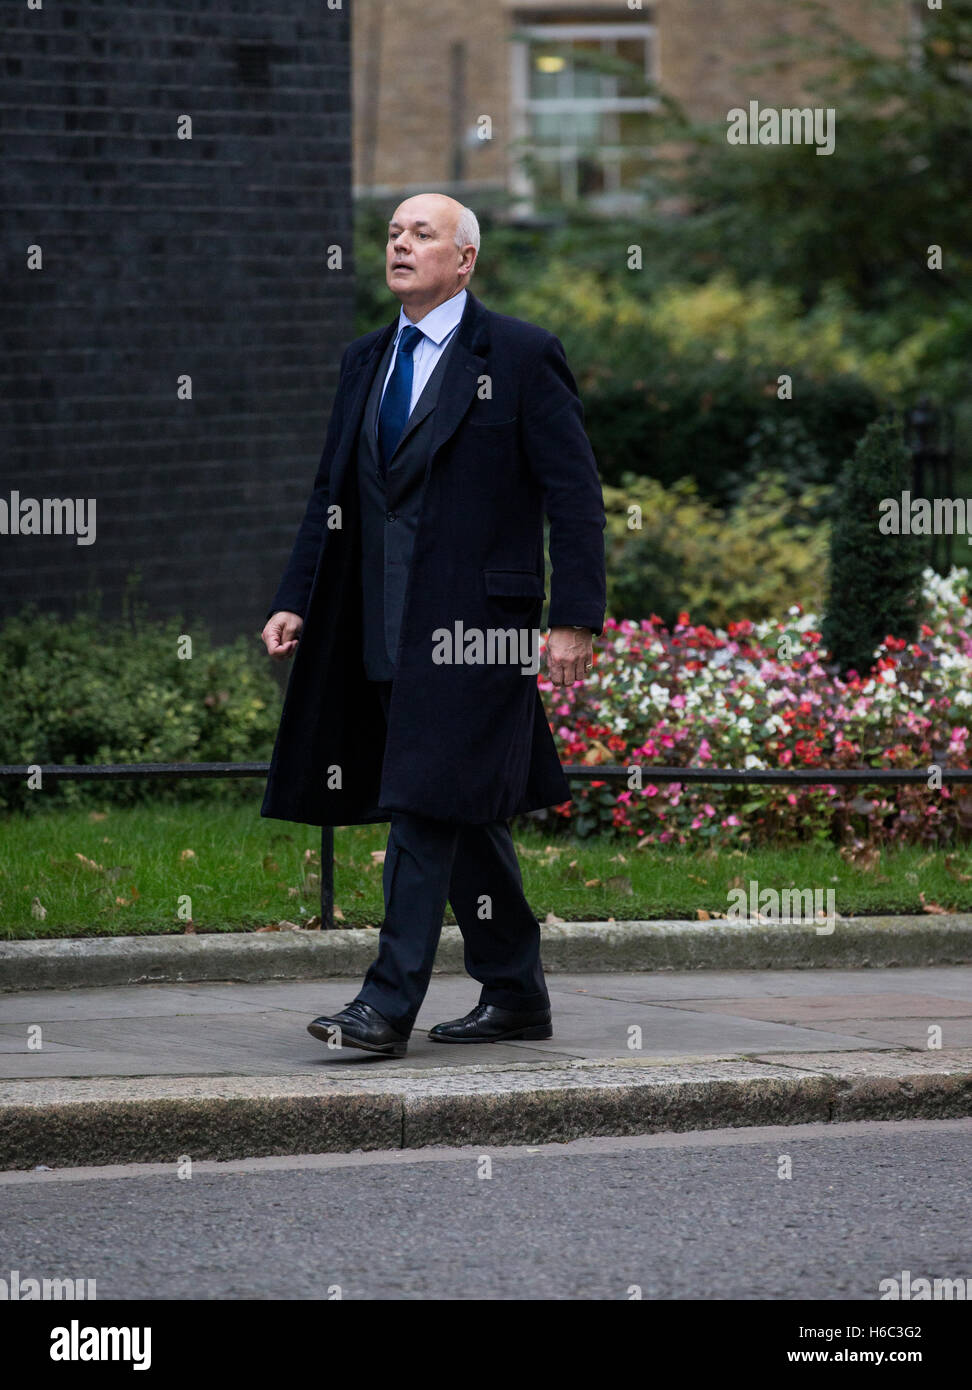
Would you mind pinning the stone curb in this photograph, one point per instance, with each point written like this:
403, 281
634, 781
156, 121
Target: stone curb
68, 1124
575, 947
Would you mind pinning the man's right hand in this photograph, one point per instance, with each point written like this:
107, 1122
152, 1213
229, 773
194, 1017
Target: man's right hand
281, 633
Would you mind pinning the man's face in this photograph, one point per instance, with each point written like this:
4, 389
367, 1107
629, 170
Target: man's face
422, 260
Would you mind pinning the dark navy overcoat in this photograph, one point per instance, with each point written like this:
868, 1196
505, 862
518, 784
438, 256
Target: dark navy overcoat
466, 741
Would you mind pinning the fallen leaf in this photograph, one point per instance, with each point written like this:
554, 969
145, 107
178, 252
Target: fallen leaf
378, 856
702, 915
337, 914
98, 815
88, 863
592, 883
189, 929
38, 910
188, 854
312, 924
551, 918
270, 865
932, 907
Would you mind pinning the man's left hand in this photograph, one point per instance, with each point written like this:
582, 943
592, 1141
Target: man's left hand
570, 654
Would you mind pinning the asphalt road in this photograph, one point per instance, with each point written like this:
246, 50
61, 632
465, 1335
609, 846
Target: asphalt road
677, 1216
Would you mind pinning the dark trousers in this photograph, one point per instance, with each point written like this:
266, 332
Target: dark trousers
475, 868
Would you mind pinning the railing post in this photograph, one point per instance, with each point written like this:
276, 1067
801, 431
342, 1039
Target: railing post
327, 877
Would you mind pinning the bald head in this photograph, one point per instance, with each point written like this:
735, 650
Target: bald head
432, 245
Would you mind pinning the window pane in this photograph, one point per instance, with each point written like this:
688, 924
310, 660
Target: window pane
631, 51
587, 128
547, 178
552, 127
590, 176
587, 80
547, 69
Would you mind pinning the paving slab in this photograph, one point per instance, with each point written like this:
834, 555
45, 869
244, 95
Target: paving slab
149, 1072
826, 1008
658, 986
217, 1030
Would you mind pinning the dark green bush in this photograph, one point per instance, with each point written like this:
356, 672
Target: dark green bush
716, 423
874, 580
83, 690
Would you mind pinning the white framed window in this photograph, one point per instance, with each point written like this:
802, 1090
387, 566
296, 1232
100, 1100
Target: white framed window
580, 116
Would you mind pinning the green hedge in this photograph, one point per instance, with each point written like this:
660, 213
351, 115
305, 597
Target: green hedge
86, 690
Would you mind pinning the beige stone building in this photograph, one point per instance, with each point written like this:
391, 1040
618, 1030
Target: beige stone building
527, 99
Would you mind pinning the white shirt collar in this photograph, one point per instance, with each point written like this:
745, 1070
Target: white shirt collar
438, 322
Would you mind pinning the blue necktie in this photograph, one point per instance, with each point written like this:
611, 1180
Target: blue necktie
394, 412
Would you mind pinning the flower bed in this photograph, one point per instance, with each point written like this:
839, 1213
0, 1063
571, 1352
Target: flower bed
761, 696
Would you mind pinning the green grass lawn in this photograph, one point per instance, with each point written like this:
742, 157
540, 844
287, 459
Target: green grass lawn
124, 871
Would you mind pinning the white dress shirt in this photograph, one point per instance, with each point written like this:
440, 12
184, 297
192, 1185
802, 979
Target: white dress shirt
437, 328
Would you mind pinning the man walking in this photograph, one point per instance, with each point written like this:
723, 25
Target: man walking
411, 605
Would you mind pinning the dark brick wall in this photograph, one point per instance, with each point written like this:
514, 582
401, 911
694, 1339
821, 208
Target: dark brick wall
164, 257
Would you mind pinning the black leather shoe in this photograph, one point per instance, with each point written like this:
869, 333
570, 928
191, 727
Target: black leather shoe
489, 1023
360, 1026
